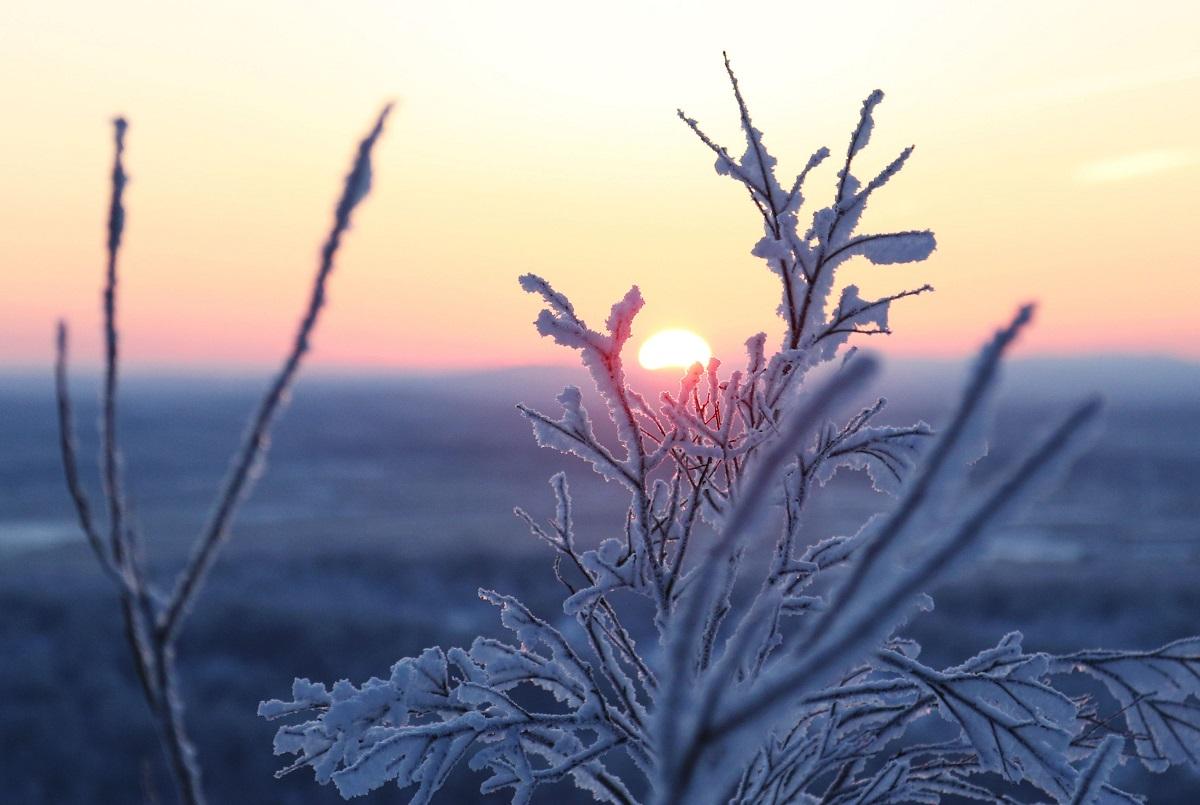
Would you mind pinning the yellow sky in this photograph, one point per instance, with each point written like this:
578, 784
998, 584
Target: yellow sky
1058, 159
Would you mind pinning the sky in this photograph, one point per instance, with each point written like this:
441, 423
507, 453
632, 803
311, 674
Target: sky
1058, 160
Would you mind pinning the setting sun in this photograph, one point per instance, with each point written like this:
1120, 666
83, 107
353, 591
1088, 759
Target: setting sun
673, 348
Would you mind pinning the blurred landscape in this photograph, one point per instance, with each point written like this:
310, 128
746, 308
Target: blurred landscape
387, 501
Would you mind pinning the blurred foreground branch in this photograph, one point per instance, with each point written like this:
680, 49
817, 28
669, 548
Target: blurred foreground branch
152, 621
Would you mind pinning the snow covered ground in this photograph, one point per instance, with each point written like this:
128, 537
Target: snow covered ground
375, 523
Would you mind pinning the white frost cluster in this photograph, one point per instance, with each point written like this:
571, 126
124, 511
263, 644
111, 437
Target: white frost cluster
773, 667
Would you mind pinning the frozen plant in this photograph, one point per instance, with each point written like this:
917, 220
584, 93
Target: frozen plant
152, 617
714, 649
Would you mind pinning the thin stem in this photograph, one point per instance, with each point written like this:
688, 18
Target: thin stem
151, 633
254, 444
111, 454
67, 443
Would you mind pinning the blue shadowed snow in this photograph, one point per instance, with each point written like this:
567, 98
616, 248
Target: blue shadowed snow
387, 502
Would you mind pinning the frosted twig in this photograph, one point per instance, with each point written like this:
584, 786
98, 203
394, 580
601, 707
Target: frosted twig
69, 451
254, 444
151, 627
111, 454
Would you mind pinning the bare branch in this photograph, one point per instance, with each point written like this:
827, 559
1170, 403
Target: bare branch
68, 448
254, 444
111, 461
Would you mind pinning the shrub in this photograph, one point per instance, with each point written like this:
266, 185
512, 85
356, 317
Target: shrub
728, 653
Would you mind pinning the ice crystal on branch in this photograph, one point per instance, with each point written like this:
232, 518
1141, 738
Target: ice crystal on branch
769, 663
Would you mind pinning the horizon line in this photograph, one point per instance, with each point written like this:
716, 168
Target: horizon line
200, 369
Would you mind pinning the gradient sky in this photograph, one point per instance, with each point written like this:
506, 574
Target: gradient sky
1058, 159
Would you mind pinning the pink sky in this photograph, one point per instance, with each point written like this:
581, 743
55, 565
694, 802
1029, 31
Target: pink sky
1056, 160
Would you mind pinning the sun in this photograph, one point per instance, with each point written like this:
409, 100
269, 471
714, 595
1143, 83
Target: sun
673, 348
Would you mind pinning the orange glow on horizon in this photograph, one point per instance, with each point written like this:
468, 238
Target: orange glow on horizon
520, 143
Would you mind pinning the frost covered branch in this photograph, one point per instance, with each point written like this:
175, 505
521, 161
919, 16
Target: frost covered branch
767, 662
151, 621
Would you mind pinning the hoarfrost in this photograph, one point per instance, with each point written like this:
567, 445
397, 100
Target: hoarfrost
779, 675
